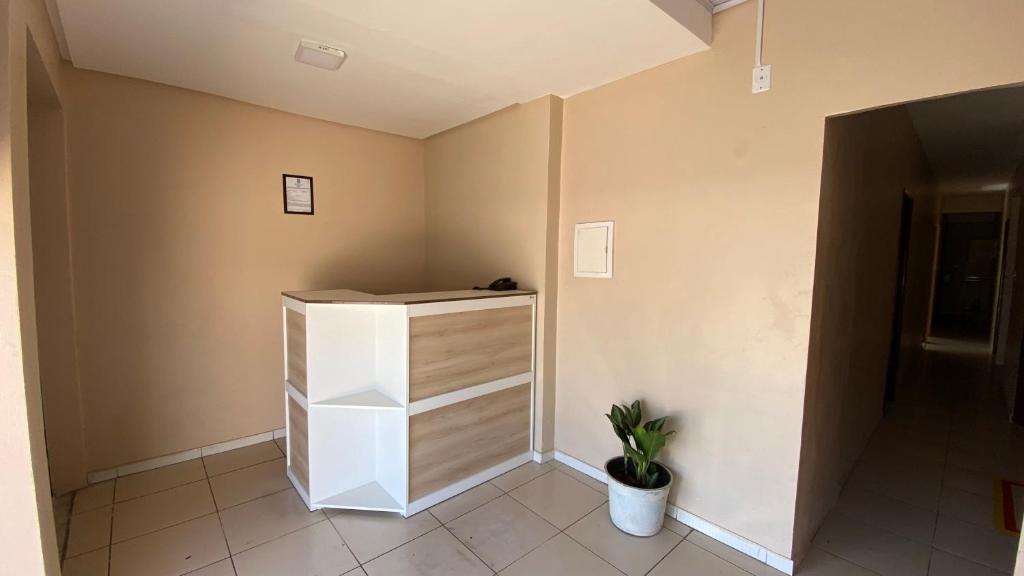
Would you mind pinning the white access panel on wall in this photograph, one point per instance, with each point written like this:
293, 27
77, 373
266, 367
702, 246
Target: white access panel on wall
593, 250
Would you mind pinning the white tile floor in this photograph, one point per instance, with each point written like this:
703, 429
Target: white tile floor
918, 503
235, 514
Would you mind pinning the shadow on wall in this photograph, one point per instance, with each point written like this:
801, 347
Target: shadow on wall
178, 282
870, 159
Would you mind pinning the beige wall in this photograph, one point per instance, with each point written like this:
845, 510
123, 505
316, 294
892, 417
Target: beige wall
181, 249
714, 192
58, 372
869, 160
27, 537
961, 203
492, 192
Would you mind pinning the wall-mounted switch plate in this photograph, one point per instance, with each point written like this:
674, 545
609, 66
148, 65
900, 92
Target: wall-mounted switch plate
762, 78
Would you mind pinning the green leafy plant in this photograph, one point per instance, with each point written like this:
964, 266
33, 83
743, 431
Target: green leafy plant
641, 442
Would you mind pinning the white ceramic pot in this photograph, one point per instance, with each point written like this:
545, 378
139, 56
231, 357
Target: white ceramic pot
636, 511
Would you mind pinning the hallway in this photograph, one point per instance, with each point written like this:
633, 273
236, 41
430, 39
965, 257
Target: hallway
922, 498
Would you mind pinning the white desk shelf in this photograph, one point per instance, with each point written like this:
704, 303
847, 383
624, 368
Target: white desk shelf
369, 400
380, 390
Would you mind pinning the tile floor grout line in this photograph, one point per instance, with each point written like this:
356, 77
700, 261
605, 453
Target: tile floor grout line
217, 506
581, 545
471, 551
845, 559
390, 550
206, 476
830, 553
220, 521
161, 491
246, 467
276, 538
272, 441
872, 524
208, 565
938, 505
868, 524
879, 492
557, 530
345, 542
72, 514
587, 548
470, 510
518, 486
396, 547
563, 532
110, 547
257, 498
971, 560
137, 536
96, 549
662, 559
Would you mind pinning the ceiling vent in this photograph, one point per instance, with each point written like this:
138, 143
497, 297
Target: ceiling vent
319, 54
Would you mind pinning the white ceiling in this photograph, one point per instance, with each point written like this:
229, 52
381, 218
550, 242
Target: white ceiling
973, 141
414, 67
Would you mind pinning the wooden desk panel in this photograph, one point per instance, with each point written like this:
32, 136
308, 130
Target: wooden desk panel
298, 442
454, 442
296, 334
448, 352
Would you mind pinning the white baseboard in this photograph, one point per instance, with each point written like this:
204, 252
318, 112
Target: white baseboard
235, 444
542, 457
161, 461
714, 531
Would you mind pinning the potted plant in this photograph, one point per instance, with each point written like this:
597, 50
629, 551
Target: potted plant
637, 485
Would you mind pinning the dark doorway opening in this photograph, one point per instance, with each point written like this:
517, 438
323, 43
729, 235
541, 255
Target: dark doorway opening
966, 274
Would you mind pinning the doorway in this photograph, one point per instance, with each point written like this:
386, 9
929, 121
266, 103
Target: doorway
965, 281
898, 424
54, 317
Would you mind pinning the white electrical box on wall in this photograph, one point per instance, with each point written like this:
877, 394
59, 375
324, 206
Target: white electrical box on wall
593, 250
762, 78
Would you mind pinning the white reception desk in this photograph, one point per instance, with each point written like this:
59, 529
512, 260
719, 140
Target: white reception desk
397, 402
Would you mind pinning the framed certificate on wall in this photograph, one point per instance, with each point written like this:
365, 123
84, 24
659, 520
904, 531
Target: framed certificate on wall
298, 194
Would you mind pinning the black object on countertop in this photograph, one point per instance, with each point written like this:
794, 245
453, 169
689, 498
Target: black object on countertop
501, 284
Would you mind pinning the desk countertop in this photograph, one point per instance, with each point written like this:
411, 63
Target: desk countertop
344, 296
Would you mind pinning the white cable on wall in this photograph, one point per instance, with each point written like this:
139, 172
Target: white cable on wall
760, 32
762, 72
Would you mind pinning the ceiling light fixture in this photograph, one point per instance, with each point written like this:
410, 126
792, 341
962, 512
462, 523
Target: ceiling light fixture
319, 54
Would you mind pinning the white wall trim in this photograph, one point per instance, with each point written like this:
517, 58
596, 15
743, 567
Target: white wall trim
239, 443
463, 394
542, 457
714, 531
296, 395
161, 461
